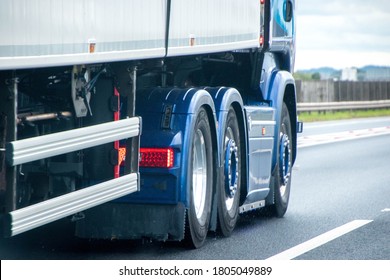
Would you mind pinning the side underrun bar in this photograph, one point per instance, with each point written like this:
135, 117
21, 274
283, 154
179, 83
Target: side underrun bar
36, 148
39, 214
27, 150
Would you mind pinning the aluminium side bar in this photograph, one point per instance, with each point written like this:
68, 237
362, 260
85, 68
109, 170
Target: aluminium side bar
35, 148
42, 213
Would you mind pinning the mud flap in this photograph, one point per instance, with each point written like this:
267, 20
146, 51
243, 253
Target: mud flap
133, 221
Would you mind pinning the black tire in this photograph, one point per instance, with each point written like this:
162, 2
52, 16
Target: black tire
282, 176
230, 180
200, 180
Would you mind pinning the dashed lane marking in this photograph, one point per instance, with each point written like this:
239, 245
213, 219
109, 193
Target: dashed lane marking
313, 140
319, 240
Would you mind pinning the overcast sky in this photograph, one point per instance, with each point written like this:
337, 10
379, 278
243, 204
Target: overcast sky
342, 33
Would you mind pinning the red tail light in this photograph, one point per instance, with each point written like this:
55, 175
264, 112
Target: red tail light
157, 157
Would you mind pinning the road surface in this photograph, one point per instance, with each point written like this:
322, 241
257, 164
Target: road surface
339, 210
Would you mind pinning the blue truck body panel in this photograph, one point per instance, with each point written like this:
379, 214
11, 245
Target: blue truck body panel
259, 115
169, 116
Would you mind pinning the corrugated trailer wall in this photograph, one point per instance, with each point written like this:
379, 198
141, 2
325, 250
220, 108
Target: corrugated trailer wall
42, 33
204, 26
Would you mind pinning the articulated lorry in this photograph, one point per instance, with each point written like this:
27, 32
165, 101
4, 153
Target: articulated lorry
160, 119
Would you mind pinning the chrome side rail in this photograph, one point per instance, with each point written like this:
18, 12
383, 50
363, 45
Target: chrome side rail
42, 213
36, 148
27, 150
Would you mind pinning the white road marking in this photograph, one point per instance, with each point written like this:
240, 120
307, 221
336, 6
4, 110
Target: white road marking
386, 210
315, 125
319, 240
313, 140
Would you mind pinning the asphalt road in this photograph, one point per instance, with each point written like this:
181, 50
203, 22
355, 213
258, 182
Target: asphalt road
339, 210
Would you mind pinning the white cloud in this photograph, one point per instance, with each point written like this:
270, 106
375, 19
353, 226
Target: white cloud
341, 7
342, 33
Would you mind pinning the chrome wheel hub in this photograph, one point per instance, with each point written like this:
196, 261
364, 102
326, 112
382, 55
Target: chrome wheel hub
231, 171
284, 162
199, 174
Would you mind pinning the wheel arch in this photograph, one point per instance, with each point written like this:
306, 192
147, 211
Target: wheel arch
224, 98
193, 101
283, 90
239, 109
185, 104
291, 102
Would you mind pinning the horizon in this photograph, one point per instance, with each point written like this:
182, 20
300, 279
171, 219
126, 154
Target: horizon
340, 69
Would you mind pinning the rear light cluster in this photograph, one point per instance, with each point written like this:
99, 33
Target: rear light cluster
157, 157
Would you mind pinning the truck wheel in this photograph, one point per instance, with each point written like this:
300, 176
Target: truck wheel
230, 181
284, 166
201, 181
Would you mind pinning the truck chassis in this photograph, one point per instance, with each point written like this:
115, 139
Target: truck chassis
164, 131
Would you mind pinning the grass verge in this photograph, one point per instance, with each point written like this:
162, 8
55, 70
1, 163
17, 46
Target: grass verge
342, 115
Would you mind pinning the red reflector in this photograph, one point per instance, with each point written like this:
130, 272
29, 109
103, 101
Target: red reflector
262, 2
156, 157
121, 155
261, 40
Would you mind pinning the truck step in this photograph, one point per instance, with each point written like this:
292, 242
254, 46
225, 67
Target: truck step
251, 206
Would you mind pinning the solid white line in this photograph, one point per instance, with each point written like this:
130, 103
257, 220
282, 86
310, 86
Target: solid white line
319, 240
